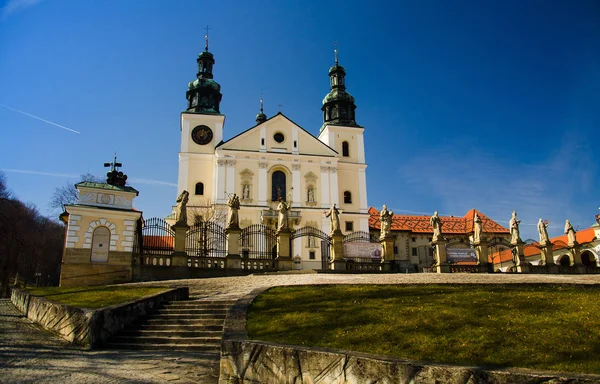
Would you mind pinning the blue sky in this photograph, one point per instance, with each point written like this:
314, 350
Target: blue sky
493, 105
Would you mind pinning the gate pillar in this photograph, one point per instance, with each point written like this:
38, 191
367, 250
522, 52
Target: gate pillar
233, 260
522, 265
481, 249
284, 257
441, 261
387, 257
337, 249
179, 257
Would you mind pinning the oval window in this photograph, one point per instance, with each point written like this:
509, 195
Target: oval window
278, 137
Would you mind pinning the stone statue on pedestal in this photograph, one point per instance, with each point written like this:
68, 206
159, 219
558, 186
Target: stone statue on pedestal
181, 210
334, 217
514, 228
436, 224
282, 219
543, 231
477, 228
385, 219
234, 206
570, 232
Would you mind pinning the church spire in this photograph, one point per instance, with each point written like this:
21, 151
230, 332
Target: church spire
204, 94
338, 105
261, 117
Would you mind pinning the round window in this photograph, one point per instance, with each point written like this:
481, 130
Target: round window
278, 137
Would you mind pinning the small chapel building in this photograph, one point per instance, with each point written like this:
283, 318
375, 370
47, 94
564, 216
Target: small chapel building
272, 160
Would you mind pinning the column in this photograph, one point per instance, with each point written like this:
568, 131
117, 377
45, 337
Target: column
220, 196
325, 201
296, 196
262, 183
230, 178
334, 193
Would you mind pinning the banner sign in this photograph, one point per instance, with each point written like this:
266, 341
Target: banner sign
461, 254
362, 250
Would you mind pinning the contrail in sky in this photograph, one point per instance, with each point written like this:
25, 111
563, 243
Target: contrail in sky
37, 173
39, 118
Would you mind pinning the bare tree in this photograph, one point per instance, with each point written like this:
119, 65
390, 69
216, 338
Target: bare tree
206, 211
4, 192
67, 194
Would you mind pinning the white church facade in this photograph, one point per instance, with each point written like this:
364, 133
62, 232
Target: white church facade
275, 159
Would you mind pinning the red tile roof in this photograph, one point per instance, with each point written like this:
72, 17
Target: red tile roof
450, 225
560, 242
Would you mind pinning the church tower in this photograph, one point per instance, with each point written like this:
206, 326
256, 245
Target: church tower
201, 131
341, 132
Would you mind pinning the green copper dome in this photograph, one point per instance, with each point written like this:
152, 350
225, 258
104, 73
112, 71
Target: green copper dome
204, 94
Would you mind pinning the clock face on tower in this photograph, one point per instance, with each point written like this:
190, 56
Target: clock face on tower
202, 135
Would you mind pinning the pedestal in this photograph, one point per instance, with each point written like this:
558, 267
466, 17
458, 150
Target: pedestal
179, 257
284, 257
441, 260
547, 255
517, 249
387, 247
575, 250
337, 252
234, 260
481, 249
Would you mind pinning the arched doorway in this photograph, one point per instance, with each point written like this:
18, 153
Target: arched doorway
564, 261
588, 259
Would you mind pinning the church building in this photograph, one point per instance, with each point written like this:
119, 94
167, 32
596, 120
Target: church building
272, 160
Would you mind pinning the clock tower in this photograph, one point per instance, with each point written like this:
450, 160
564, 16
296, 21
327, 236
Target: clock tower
201, 131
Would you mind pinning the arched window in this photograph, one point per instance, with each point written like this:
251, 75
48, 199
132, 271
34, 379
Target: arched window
199, 188
278, 186
345, 149
347, 197
100, 245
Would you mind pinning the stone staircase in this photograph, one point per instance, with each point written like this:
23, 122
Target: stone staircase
190, 325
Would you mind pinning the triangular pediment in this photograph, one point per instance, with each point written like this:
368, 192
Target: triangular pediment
278, 135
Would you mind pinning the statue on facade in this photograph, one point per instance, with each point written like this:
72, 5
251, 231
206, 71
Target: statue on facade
543, 231
234, 206
334, 218
385, 219
311, 195
181, 210
246, 192
282, 219
514, 228
477, 228
311, 241
436, 224
570, 232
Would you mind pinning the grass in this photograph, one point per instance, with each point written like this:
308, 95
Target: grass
94, 297
547, 327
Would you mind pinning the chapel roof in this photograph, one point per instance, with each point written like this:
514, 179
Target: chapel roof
451, 225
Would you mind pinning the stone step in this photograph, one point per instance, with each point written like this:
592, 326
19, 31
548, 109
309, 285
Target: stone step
166, 340
165, 347
207, 307
181, 321
190, 311
176, 327
193, 316
171, 333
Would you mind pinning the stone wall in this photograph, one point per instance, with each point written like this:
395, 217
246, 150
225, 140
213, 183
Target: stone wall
87, 327
77, 269
155, 273
250, 361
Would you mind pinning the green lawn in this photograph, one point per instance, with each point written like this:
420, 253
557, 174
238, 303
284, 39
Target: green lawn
547, 327
94, 297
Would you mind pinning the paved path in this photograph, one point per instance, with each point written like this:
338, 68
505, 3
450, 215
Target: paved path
29, 354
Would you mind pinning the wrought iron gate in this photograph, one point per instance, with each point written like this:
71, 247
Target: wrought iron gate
258, 242
314, 233
206, 239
